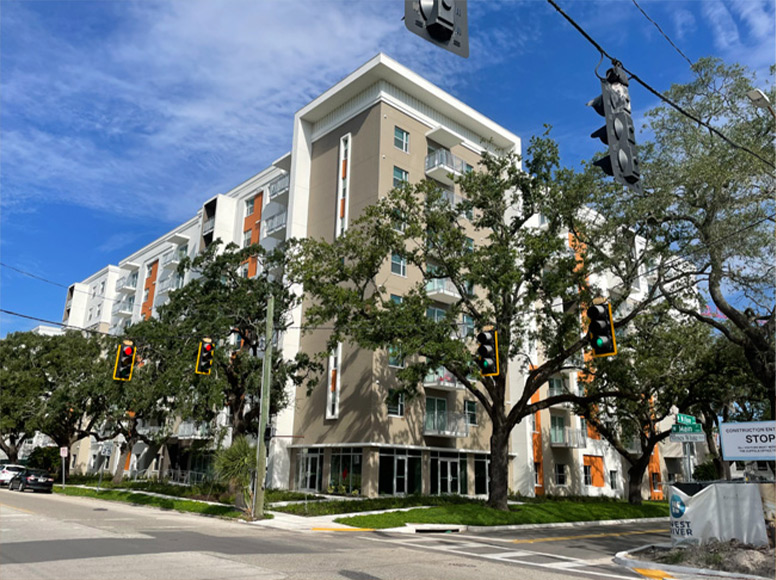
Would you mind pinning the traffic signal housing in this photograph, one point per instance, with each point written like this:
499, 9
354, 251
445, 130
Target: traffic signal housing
600, 332
125, 361
618, 133
441, 22
204, 357
487, 353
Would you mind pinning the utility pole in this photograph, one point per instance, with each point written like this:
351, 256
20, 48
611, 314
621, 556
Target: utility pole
261, 445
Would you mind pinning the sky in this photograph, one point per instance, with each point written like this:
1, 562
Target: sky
119, 118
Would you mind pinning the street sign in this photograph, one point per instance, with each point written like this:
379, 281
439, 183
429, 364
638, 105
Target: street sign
687, 428
107, 449
687, 437
63, 451
685, 419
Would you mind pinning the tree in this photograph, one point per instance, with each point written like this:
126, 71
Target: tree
237, 465
222, 304
59, 385
651, 375
523, 278
713, 204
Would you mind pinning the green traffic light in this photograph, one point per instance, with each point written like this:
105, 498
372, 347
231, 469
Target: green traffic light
599, 341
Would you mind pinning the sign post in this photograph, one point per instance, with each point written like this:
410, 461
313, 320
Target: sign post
63, 455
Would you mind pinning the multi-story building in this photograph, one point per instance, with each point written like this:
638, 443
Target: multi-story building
381, 125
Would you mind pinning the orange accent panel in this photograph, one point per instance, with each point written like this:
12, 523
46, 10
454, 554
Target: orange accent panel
596, 465
344, 168
150, 284
334, 380
592, 433
537, 447
654, 467
342, 207
253, 223
126, 463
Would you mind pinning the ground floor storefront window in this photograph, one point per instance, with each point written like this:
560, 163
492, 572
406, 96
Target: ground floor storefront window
346, 471
448, 473
401, 472
309, 469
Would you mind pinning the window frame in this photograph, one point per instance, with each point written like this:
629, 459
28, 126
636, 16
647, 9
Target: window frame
403, 139
404, 176
470, 411
399, 405
560, 474
401, 264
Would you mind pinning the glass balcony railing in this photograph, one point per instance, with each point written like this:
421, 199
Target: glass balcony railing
208, 225
441, 162
123, 308
278, 186
445, 424
441, 378
568, 437
442, 290
275, 224
126, 284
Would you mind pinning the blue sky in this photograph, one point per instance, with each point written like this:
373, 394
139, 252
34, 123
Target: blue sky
118, 119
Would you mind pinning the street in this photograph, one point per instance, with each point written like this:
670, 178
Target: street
69, 538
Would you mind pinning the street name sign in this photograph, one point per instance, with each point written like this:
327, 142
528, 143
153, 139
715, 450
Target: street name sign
687, 428
687, 437
685, 419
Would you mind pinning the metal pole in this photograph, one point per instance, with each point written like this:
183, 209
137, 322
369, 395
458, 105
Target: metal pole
261, 448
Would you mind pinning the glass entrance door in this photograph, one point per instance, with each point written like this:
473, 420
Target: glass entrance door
448, 476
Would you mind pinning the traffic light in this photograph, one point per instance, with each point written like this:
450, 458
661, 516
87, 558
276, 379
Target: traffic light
442, 22
601, 330
614, 105
487, 353
204, 357
125, 361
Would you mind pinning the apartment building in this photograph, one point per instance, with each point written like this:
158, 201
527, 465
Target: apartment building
381, 125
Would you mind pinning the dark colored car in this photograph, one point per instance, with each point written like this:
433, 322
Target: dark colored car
34, 479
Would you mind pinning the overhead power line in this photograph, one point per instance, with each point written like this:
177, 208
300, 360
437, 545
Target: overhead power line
655, 92
663, 33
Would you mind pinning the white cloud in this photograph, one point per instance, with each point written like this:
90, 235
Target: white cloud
722, 24
684, 23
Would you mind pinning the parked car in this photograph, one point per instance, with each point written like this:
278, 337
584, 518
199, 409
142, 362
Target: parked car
8, 471
34, 479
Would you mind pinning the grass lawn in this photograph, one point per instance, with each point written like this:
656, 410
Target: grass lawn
181, 505
541, 512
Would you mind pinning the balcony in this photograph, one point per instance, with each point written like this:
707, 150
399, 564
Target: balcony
208, 225
126, 284
443, 379
278, 187
445, 424
168, 284
171, 260
276, 225
442, 290
572, 438
556, 390
123, 309
192, 430
441, 163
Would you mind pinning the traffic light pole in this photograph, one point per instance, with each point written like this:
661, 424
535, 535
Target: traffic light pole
261, 445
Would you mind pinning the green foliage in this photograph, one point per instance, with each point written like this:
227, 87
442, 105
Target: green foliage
237, 464
705, 471
330, 507
46, 458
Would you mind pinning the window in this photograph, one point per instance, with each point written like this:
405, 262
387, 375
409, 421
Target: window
244, 272
398, 223
94, 291
435, 314
90, 314
560, 474
481, 477
401, 139
558, 386
395, 403
149, 270
655, 481
146, 294
395, 357
396, 299
470, 409
467, 168
102, 288
346, 470
613, 478
247, 238
335, 380
533, 423
399, 176
588, 474
99, 310
398, 265
181, 251
557, 428
249, 206
467, 326
343, 186
537, 473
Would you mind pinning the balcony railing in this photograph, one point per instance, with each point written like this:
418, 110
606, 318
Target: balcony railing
208, 225
442, 290
192, 430
445, 424
123, 308
278, 186
168, 284
171, 260
126, 284
275, 224
441, 378
568, 438
440, 163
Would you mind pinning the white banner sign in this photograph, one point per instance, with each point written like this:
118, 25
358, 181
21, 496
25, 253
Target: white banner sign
754, 441
723, 511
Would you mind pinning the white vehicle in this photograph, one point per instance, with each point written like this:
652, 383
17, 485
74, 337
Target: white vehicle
8, 471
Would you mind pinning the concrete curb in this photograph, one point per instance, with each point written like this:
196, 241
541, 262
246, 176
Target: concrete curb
657, 570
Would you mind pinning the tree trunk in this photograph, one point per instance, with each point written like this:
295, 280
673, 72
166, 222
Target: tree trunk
126, 449
636, 477
499, 467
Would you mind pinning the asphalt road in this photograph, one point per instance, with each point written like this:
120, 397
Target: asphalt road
68, 538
